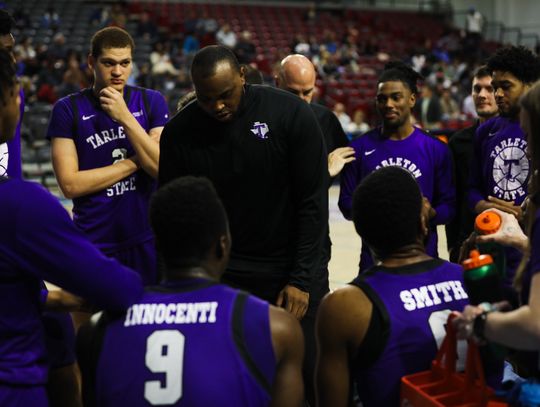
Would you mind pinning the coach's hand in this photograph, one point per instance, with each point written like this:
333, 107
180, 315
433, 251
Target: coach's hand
113, 103
293, 300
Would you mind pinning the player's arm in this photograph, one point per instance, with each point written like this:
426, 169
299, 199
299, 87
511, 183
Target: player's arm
53, 249
309, 191
146, 145
349, 182
75, 183
288, 344
342, 322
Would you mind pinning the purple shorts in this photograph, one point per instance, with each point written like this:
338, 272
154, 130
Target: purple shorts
141, 258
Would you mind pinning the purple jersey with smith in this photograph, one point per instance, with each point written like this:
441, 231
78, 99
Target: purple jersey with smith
188, 343
39, 242
415, 300
425, 157
117, 216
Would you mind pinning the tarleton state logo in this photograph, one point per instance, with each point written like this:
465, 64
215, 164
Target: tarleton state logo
260, 130
4, 159
510, 169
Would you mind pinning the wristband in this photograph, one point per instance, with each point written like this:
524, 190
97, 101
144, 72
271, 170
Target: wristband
479, 325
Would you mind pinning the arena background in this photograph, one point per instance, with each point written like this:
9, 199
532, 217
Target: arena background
348, 41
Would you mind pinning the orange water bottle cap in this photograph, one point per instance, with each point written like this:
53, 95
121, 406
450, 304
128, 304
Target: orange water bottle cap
487, 222
476, 260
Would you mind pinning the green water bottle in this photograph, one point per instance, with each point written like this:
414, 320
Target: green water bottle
487, 223
482, 281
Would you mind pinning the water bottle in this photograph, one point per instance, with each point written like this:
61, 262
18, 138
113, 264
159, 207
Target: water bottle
482, 281
487, 223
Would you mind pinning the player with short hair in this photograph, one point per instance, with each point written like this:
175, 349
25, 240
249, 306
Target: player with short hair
105, 152
398, 143
192, 341
461, 145
389, 321
500, 172
40, 242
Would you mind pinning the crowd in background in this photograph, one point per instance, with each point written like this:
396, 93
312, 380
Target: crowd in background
49, 71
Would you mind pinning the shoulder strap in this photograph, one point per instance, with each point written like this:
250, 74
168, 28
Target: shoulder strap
75, 109
145, 101
238, 335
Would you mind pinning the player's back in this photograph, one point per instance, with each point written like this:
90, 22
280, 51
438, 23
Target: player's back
191, 343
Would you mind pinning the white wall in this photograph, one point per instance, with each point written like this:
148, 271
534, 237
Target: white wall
512, 13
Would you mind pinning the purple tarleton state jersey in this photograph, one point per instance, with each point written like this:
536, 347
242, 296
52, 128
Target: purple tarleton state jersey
500, 168
425, 157
190, 343
10, 152
38, 241
416, 301
117, 216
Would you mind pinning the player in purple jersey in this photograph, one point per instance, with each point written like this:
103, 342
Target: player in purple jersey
500, 169
10, 152
390, 320
397, 142
191, 341
520, 328
105, 152
461, 145
39, 242
58, 326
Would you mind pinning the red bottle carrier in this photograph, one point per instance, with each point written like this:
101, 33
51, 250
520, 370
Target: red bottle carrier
442, 386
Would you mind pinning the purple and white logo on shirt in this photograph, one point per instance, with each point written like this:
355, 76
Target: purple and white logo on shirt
260, 130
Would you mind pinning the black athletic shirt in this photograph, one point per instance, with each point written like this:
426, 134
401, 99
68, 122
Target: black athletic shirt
269, 167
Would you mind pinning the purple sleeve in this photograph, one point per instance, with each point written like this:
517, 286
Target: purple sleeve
159, 112
445, 189
349, 180
61, 120
475, 194
53, 249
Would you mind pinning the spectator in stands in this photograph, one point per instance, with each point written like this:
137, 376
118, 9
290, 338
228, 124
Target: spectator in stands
461, 145
358, 126
50, 19
190, 46
226, 36
58, 49
397, 142
372, 332
146, 28
449, 107
118, 16
300, 45
160, 60
245, 49
191, 22
206, 29
74, 78
428, 110
343, 117
499, 174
